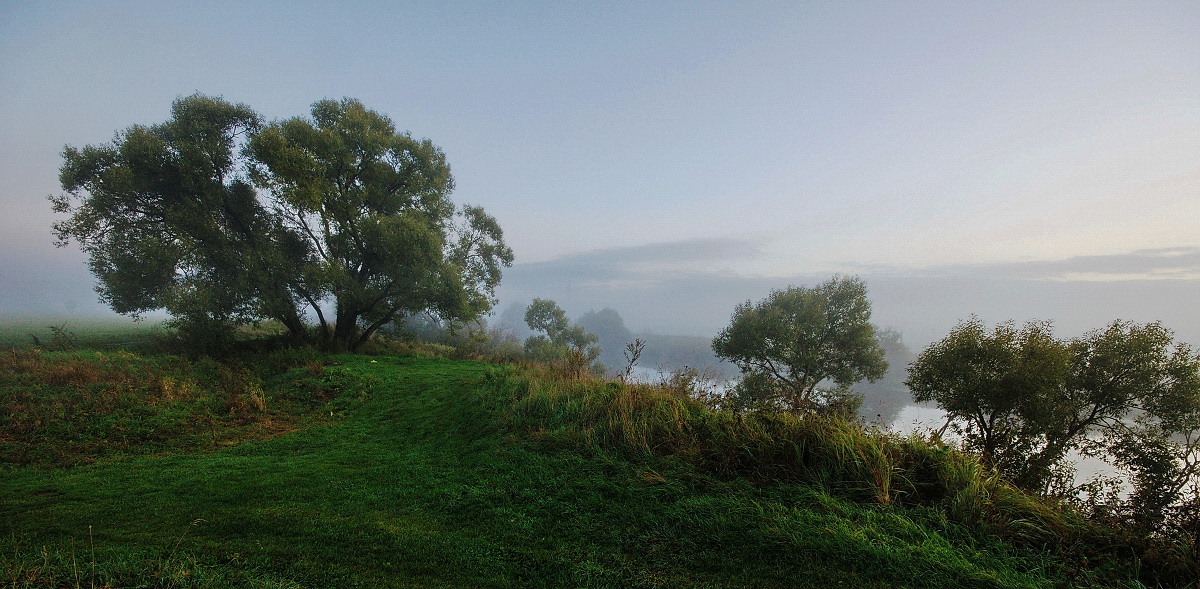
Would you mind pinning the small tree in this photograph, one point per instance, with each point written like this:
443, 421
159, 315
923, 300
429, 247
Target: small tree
1024, 400
633, 354
796, 339
997, 389
570, 344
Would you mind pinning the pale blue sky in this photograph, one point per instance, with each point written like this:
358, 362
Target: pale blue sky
791, 140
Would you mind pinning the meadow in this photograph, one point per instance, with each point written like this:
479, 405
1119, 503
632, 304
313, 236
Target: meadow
401, 466
56, 331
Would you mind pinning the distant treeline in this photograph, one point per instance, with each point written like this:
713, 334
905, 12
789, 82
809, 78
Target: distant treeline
882, 400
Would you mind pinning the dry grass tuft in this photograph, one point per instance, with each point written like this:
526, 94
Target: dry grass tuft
314, 368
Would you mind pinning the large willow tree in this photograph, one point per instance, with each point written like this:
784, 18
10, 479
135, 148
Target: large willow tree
219, 219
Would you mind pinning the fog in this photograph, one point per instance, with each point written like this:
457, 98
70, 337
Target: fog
659, 289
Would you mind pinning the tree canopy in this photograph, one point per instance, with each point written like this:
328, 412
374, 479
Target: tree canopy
562, 341
220, 218
795, 339
1024, 399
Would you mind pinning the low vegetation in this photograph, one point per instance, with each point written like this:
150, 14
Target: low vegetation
71, 408
417, 470
913, 476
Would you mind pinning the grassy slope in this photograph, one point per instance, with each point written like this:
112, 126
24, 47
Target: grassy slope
420, 486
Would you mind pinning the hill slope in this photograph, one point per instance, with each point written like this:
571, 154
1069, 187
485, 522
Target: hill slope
422, 484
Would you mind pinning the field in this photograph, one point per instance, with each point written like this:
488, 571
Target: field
59, 331
295, 469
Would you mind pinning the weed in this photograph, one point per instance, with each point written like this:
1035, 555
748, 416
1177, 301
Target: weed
633, 353
61, 338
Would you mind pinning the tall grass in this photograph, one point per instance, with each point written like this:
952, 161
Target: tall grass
648, 422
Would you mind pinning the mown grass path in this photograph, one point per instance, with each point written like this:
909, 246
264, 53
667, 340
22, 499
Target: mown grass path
420, 485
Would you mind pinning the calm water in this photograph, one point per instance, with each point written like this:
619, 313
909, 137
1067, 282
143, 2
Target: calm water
915, 418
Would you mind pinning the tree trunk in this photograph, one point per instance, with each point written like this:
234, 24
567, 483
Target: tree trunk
296, 327
345, 331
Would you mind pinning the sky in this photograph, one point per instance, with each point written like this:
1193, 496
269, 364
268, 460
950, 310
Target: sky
671, 160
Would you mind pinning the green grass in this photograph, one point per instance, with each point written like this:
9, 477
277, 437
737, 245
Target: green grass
70, 408
98, 332
441, 473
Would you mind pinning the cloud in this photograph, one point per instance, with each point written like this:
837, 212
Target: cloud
644, 266
1175, 263
691, 287
692, 250
641, 265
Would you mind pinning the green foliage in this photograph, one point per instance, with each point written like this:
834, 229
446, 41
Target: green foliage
795, 339
373, 206
168, 222
352, 211
996, 385
839, 401
431, 328
1024, 399
202, 335
569, 345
